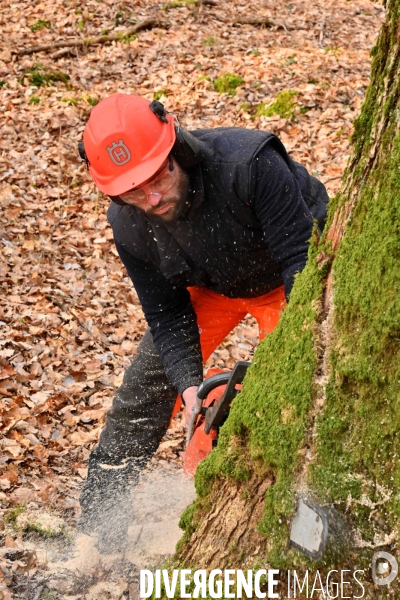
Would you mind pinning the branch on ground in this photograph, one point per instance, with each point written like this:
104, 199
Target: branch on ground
257, 22
102, 39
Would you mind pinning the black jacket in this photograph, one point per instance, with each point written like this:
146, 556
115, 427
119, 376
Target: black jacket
246, 232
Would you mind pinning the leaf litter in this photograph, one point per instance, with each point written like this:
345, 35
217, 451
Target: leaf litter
70, 320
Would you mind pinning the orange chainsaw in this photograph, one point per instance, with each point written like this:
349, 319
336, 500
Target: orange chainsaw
213, 402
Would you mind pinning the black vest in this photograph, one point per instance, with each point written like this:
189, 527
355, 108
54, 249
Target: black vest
219, 243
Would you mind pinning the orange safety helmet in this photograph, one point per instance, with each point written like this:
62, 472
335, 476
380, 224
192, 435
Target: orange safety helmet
125, 142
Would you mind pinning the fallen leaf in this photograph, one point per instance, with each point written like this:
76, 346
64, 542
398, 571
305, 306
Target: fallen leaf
41, 453
9, 542
22, 495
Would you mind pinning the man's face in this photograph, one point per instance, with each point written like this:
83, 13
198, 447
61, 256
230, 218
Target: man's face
164, 205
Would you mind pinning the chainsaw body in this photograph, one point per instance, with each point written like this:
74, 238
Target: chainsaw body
214, 398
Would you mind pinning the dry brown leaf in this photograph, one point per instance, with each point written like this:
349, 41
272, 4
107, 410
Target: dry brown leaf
10, 476
41, 453
22, 495
48, 493
9, 542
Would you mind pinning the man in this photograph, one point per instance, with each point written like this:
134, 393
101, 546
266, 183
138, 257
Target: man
210, 225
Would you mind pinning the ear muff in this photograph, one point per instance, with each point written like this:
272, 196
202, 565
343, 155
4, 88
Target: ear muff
186, 149
82, 153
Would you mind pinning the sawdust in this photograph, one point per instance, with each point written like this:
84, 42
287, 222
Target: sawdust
73, 565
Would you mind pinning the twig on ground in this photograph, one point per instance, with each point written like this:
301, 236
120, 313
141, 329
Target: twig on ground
321, 34
332, 178
102, 39
64, 52
247, 21
262, 22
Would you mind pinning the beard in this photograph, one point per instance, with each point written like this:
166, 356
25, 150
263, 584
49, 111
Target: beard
179, 201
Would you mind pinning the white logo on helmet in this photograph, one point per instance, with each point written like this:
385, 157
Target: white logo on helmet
119, 153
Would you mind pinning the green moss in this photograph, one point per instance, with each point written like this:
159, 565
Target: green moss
39, 76
228, 83
332, 50
204, 78
11, 515
70, 101
358, 443
39, 25
39, 530
178, 4
159, 94
126, 39
356, 465
90, 99
210, 41
270, 416
186, 520
291, 60
31, 527
34, 100
283, 106
384, 65
118, 18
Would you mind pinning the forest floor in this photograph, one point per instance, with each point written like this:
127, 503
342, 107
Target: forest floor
70, 321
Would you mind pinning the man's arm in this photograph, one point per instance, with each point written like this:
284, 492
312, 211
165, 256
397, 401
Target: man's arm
285, 219
172, 322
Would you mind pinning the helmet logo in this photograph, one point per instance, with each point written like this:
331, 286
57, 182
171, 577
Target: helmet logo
119, 153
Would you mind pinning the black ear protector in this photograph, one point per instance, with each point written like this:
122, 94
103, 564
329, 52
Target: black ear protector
186, 149
82, 153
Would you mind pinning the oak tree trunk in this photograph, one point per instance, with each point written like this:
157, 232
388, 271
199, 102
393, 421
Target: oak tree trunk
320, 410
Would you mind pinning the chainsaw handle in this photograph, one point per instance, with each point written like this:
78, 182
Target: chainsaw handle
203, 390
211, 383
195, 413
228, 378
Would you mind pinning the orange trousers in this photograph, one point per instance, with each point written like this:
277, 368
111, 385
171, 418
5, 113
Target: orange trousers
217, 315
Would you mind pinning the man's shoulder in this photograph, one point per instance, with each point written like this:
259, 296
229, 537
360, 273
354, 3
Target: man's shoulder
113, 212
127, 216
231, 144
129, 226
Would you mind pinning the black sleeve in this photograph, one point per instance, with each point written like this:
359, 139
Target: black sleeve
171, 319
286, 221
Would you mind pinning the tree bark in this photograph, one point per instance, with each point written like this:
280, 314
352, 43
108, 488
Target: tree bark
319, 412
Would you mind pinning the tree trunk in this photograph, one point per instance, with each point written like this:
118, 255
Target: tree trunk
319, 412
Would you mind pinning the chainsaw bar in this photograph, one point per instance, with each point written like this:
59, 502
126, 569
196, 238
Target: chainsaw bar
216, 415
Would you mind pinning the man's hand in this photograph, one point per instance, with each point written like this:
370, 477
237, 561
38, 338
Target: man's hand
189, 398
